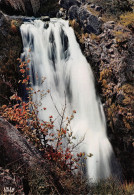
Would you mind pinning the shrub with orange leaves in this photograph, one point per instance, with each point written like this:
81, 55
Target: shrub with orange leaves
49, 141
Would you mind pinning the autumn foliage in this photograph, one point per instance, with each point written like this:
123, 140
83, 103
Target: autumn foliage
127, 20
48, 140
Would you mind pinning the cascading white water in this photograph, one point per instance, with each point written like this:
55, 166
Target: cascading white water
56, 55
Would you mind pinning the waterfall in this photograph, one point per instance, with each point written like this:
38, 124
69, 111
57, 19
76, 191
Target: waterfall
56, 55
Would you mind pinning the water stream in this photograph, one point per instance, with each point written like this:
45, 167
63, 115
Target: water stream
56, 55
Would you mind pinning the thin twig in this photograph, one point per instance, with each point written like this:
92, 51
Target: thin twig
80, 141
20, 167
64, 109
55, 105
62, 118
14, 161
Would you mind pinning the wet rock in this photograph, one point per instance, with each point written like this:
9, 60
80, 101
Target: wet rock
45, 18
46, 25
62, 13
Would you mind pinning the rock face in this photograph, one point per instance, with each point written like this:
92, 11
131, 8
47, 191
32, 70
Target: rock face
30, 7
49, 8
111, 55
14, 148
89, 22
10, 49
20, 7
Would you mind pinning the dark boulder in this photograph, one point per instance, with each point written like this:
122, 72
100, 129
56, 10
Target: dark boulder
74, 13
62, 13
89, 22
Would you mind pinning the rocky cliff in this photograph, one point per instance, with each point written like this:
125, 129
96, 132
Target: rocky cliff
30, 7
108, 47
10, 49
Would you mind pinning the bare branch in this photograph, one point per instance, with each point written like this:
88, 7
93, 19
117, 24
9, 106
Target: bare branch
55, 105
63, 114
78, 143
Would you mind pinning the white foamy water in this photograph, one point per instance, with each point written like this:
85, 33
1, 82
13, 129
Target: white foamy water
56, 55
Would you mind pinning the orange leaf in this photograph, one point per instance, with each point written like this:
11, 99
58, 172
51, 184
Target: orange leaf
28, 77
22, 70
24, 81
4, 106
